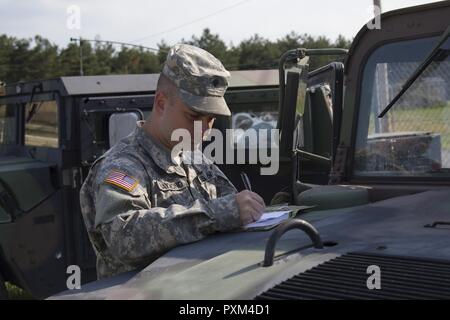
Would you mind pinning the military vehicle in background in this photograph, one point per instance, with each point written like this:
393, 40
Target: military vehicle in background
50, 133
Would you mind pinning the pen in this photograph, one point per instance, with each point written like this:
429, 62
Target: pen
246, 181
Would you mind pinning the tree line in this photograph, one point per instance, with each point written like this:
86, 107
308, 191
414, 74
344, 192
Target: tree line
38, 58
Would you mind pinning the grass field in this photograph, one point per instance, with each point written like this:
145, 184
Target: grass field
432, 119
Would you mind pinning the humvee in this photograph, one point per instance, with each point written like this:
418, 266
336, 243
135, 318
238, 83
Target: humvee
364, 161
51, 131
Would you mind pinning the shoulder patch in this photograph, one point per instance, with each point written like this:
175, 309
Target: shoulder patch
121, 180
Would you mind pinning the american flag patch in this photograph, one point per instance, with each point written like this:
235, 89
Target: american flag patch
121, 180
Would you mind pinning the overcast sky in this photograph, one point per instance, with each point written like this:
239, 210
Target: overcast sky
147, 22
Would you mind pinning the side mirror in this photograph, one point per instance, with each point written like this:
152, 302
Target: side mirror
121, 125
323, 110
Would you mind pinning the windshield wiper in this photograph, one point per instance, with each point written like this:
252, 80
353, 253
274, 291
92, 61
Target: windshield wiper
34, 107
436, 52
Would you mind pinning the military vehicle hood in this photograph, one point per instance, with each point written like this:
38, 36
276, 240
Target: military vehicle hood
228, 266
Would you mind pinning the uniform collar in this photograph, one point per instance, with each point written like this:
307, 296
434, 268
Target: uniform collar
159, 153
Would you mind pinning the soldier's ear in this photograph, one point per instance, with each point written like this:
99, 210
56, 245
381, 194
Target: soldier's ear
160, 102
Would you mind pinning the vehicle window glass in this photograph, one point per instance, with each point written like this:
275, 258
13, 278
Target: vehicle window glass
41, 124
252, 120
7, 124
413, 138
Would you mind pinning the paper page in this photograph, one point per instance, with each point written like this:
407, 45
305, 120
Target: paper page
269, 219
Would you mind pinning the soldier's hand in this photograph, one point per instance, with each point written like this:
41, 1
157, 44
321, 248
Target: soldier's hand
251, 206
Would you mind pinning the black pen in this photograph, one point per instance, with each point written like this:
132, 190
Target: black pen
246, 181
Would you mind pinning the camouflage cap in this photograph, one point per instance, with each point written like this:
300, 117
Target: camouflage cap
200, 77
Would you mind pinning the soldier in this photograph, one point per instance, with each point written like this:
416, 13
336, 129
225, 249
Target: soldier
138, 201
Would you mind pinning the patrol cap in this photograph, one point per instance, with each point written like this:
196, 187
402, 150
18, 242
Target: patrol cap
200, 78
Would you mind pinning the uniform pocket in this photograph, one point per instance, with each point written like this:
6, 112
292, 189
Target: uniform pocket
207, 181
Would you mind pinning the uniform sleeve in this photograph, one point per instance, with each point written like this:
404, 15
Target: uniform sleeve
137, 233
224, 207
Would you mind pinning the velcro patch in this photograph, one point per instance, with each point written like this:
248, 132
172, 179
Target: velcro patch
122, 180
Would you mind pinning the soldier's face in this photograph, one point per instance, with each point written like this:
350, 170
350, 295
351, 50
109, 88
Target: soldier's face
177, 115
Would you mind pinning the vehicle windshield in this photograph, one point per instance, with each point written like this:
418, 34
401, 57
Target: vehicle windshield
413, 138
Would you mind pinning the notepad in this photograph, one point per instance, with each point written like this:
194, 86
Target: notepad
269, 219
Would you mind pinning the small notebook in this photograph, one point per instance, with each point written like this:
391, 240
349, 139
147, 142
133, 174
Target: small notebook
269, 219
274, 216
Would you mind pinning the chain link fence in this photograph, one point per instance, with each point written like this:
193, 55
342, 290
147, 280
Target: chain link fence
415, 134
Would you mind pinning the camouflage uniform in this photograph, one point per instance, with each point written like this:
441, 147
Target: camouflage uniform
137, 203
169, 205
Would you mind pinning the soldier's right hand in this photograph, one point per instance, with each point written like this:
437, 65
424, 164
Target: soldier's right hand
251, 206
